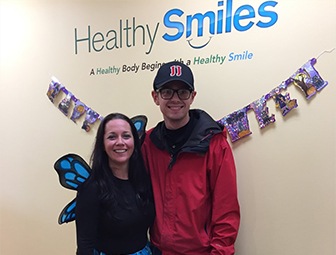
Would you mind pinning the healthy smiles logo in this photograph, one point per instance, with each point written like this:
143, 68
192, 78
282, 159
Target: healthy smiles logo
178, 25
224, 20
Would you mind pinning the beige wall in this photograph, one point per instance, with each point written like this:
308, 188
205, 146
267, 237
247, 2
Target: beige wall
286, 172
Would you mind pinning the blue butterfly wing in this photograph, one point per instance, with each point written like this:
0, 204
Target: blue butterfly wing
72, 171
140, 122
68, 213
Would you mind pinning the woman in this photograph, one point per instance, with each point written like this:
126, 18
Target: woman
115, 206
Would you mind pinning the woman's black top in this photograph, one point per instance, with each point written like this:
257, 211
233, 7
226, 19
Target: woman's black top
120, 229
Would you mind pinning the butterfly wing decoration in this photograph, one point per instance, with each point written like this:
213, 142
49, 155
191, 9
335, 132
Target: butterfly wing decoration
73, 171
140, 122
68, 213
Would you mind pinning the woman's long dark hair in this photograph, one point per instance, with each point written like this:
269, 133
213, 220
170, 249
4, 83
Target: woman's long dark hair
101, 172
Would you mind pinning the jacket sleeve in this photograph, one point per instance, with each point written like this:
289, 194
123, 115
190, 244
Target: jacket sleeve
225, 217
87, 211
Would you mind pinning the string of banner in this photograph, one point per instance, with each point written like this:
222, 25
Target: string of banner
306, 78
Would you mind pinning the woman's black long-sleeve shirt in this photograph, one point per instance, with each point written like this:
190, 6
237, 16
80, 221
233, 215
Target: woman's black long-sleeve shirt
120, 231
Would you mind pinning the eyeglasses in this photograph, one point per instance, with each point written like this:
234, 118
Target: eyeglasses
167, 94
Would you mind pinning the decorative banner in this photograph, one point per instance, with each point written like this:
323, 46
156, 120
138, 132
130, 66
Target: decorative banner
78, 110
65, 104
284, 103
306, 78
237, 124
90, 118
261, 111
55, 87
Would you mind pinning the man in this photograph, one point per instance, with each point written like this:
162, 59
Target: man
192, 170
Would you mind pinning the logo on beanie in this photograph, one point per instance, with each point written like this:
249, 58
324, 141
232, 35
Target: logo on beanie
175, 71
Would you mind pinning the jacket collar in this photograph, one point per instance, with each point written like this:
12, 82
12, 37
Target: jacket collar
204, 129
